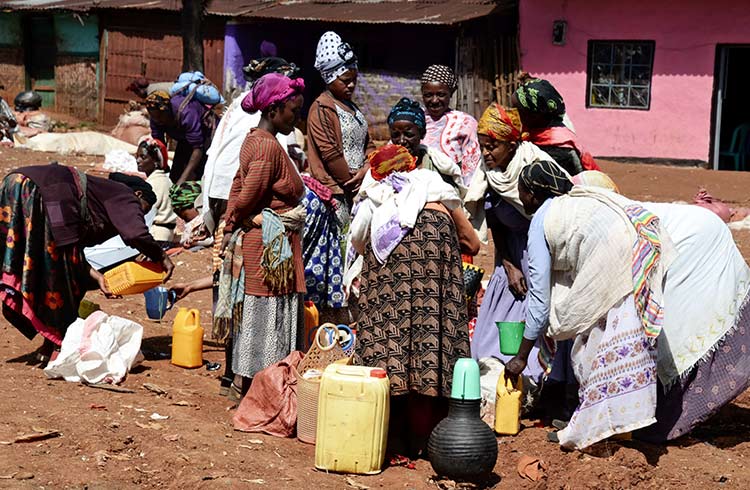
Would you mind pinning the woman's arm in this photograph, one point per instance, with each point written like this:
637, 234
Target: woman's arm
182, 289
467, 237
192, 165
516, 280
324, 131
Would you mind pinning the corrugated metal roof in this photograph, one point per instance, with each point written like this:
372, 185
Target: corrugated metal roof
444, 12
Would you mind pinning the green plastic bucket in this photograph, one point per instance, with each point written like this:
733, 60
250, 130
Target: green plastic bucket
511, 335
466, 380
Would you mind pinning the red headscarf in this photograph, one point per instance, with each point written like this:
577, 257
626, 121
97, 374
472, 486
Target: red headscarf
390, 158
162, 151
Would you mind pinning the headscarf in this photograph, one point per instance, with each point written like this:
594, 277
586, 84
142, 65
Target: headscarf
135, 184
158, 101
408, 110
390, 158
263, 66
333, 57
540, 96
501, 124
271, 89
140, 83
268, 49
595, 178
545, 179
157, 149
183, 196
440, 74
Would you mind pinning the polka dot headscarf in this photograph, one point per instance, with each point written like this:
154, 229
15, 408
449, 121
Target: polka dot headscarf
440, 74
333, 57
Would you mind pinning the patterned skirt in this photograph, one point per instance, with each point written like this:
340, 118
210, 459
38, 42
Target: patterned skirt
412, 310
42, 285
321, 253
270, 330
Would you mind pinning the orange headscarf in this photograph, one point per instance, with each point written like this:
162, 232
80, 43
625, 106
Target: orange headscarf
501, 124
390, 158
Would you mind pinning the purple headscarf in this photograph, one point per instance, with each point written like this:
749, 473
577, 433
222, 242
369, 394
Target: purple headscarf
270, 89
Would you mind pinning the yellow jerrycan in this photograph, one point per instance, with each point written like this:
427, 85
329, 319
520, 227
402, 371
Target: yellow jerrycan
187, 338
508, 406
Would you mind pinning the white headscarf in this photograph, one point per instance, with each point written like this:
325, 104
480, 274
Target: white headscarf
333, 57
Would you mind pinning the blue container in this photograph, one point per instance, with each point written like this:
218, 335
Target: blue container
159, 300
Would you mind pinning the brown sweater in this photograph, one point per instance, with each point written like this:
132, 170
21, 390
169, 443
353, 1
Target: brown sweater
266, 178
325, 150
112, 209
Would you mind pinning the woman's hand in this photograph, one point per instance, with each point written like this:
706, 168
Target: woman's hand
102, 282
514, 368
516, 281
181, 289
352, 185
168, 266
224, 244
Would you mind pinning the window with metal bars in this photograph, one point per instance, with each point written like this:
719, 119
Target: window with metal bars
619, 74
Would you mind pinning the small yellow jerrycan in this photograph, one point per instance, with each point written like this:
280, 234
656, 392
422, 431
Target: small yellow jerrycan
187, 339
508, 406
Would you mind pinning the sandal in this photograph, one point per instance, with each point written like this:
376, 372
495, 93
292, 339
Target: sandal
226, 384
234, 393
559, 424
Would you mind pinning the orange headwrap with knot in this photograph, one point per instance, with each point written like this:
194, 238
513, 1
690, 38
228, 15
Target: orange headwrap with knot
390, 158
501, 124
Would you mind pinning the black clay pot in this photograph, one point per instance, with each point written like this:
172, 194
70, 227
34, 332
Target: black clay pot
462, 446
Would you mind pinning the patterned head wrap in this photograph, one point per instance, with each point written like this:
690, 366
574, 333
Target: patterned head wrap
545, 179
595, 178
157, 150
263, 66
333, 57
408, 110
440, 74
158, 101
183, 196
135, 184
537, 95
390, 158
501, 124
271, 89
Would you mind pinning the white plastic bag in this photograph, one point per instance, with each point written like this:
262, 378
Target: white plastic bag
100, 349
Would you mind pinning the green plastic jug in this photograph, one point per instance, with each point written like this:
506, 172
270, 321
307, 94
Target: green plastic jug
466, 380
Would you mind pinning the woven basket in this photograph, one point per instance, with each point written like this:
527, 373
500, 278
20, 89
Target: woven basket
318, 357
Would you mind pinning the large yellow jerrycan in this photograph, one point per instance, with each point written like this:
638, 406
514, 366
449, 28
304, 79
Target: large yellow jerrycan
508, 406
353, 412
187, 338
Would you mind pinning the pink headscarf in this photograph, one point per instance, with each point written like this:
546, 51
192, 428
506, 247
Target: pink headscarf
270, 89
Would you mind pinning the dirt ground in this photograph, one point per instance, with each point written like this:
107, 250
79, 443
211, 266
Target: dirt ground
109, 441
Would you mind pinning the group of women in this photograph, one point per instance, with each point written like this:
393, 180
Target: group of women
641, 307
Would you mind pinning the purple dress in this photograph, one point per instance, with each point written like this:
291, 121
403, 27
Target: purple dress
499, 304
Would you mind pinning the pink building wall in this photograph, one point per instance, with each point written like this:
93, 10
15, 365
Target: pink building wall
685, 32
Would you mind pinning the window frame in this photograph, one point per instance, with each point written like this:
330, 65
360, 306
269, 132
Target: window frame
590, 72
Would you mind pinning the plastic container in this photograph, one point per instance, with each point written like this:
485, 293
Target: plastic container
187, 339
466, 384
312, 321
511, 335
508, 406
134, 277
86, 308
159, 300
353, 412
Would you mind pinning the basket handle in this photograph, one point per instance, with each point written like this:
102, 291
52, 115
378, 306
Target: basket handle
322, 329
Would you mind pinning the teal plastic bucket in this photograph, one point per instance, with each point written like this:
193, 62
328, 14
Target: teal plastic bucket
466, 380
511, 335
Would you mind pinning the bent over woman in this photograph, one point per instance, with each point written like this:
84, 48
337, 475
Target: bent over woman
48, 214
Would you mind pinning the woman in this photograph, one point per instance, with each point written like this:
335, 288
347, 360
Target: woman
152, 160
598, 263
268, 184
506, 154
190, 124
450, 131
336, 129
542, 111
411, 229
49, 214
408, 127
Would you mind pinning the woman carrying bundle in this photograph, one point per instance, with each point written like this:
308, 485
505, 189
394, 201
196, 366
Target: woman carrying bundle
411, 229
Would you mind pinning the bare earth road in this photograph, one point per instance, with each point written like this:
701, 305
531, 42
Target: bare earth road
108, 440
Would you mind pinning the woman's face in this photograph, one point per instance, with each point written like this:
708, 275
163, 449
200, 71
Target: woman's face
286, 116
146, 163
530, 202
436, 97
145, 205
343, 87
162, 118
497, 154
406, 134
530, 119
